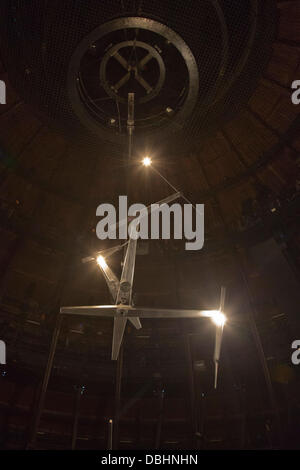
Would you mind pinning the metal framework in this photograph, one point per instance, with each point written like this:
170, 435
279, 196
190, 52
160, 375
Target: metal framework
121, 293
136, 70
123, 308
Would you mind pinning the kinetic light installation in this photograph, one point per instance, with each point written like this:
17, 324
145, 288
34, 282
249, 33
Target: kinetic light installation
123, 308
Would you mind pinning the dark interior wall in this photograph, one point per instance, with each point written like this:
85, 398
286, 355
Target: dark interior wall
50, 187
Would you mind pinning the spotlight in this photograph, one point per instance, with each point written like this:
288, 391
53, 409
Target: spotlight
101, 261
218, 318
147, 161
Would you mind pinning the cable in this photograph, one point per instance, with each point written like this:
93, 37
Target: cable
174, 188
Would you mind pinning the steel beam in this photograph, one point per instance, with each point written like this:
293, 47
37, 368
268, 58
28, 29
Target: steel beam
41, 401
118, 399
79, 392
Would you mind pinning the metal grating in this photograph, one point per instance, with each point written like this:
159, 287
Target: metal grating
231, 43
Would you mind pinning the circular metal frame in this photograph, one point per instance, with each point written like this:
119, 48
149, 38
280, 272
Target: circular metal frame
114, 52
131, 23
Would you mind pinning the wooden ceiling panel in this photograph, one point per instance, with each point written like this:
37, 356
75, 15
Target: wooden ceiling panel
289, 20
250, 137
281, 116
283, 64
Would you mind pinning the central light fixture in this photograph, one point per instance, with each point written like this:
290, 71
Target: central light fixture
218, 318
147, 161
101, 261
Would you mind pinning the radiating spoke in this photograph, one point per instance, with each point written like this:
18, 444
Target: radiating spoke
137, 76
145, 60
122, 82
121, 60
143, 82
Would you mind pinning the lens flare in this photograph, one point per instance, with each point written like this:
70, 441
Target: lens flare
147, 161
101, 261
218, 318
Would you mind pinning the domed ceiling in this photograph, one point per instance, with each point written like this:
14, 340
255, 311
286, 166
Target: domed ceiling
212, 83
191, 66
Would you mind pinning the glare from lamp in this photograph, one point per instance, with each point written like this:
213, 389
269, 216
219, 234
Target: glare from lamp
101, 261
218, 318
147, 161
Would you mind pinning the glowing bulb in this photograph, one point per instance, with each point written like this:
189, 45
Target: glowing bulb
147, 161
218, 318
101, 261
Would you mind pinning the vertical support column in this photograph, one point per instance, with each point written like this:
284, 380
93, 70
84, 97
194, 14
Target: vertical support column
118, 399
160, 419
193, 414
139, 428
110, 435
192, 402
259, 346
130, 123
41, 400
79, 393
2, 92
